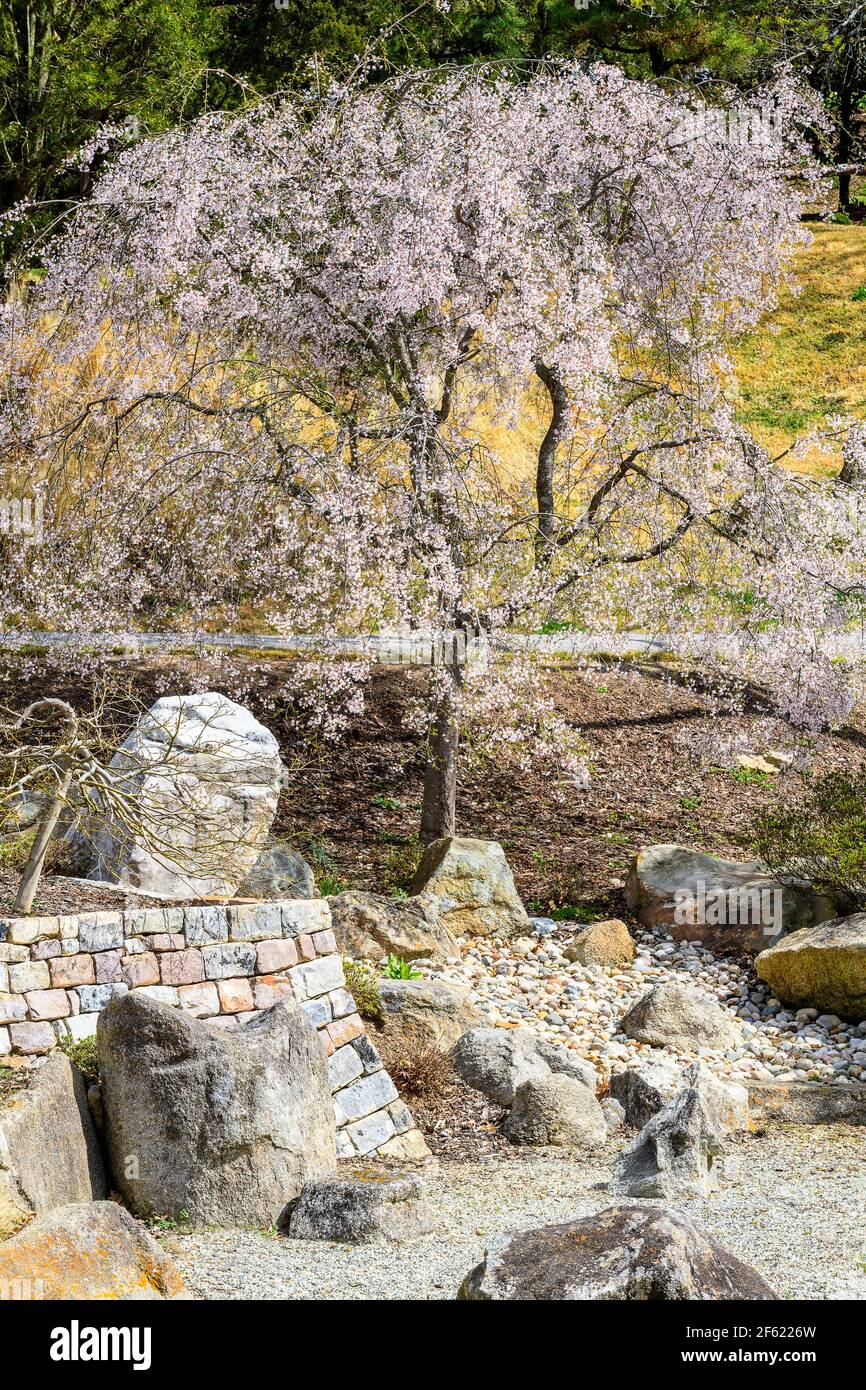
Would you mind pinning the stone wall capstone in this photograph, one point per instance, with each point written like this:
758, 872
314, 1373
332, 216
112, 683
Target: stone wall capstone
222, 963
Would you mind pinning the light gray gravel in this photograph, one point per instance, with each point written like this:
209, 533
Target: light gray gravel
792, 1203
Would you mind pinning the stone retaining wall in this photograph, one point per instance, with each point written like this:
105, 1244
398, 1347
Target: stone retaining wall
222, 964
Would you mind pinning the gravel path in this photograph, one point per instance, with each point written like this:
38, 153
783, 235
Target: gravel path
793, 1204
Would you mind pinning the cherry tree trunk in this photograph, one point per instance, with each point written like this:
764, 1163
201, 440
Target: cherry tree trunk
439, 805
544, 477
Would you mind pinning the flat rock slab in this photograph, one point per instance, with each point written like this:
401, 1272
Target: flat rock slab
91, 1250
727, 906
359, 1206
807, 1103
625, 1253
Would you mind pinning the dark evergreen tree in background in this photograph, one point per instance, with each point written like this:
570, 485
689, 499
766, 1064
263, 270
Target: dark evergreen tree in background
69, 66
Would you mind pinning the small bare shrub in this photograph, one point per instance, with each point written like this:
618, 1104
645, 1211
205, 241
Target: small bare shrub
400, 863
418, 1069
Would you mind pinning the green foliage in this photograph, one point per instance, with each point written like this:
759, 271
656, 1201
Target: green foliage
363, 985
555, 625
83, 1054
395, 968
66, 69
14, 850
823, 839
400, 863
166, 1224
329, 885
575, 912
12, 1080
144, 65
859, 294
328, 880
748, 776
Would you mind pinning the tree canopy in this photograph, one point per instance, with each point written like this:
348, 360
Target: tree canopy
259, 366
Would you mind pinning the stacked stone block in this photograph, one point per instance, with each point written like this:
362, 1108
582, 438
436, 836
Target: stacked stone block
221, 964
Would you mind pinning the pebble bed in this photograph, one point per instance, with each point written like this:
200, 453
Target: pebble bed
792, 1203
530, 983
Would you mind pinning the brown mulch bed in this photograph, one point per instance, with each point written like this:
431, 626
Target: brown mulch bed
564, 846
354, 805
57, 896
460, 1124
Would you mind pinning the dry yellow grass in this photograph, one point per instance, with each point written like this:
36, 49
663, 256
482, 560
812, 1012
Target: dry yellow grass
808, 362
804, 365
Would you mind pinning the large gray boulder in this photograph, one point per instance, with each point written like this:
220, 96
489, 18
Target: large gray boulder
224, 1126
496, 1061
674, 1155
90, 1250
645, 1089
564, 1061
672, 1014
426, 1011
556, 1110
472, 888
368, 926
202, 780
359, 1206
49, 1153
823, 968
626, 1253
728, 906
279, 872
727, 1101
